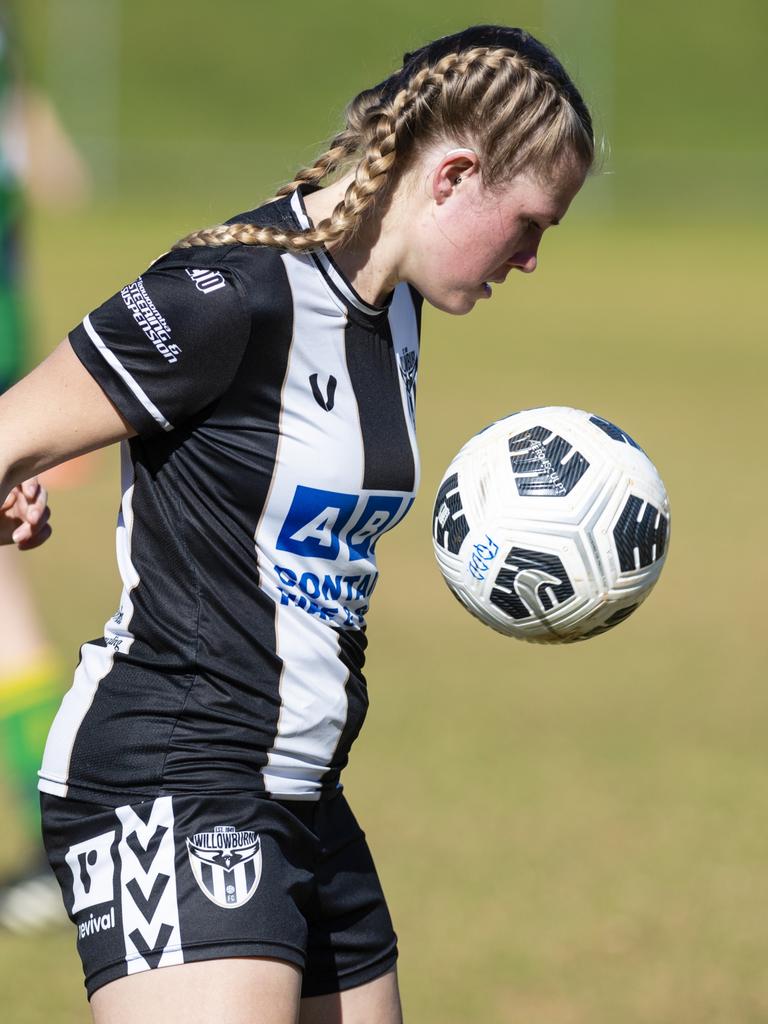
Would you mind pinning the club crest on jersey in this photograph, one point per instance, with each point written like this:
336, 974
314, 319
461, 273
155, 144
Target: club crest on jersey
408, 367
226, 864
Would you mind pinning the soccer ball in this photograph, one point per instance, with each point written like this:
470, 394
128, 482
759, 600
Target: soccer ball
551, 525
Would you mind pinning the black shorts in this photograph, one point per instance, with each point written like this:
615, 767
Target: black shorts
184, 878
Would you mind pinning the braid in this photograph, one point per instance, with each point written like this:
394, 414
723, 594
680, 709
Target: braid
341, 147
389, 122
251, 234
507, 85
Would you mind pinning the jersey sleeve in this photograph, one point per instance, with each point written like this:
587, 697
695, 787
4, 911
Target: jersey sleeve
166, 345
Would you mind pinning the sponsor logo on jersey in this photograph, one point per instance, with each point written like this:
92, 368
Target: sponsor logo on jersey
333, 526
206, 281
145, 313
323, 524
313, 593
226, 864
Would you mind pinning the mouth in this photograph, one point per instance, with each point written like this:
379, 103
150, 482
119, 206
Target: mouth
486, 285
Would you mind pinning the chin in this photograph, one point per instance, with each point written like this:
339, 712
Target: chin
456, 305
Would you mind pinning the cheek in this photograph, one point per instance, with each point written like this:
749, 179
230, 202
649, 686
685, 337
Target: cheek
454, 258
463, 248
462, 267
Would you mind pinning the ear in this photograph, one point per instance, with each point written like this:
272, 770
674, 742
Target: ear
455, 166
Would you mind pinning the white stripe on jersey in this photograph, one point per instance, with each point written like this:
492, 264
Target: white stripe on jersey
405, 338
313, 697
95, 661
313, 705
132, 383
321, 258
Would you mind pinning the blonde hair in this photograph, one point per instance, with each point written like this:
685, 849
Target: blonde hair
495, 89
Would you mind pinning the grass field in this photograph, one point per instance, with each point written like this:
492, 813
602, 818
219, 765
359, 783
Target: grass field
566, 836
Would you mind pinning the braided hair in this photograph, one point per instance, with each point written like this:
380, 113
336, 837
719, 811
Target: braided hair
497, 89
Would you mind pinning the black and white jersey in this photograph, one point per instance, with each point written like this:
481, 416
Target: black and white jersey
275, 419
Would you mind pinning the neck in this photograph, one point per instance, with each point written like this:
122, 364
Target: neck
368, 260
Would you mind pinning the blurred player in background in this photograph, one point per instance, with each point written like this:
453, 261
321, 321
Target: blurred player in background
36, 161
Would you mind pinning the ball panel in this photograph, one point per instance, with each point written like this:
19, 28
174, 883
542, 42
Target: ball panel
450, 525
640, 534
613, 431
544, 464
531, 583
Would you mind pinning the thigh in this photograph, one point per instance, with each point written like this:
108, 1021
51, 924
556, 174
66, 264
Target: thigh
377, 1002
237, 991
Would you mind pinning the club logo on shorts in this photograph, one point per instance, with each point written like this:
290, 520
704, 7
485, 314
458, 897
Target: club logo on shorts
226, 864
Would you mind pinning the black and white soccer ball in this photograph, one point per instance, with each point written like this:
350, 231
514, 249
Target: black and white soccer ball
551, 525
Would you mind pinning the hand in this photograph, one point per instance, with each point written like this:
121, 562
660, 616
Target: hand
24, 516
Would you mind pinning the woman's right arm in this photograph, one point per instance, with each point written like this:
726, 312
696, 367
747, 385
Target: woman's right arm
56, 412
155, 354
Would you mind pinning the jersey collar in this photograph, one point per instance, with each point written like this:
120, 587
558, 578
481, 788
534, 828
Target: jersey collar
330, 269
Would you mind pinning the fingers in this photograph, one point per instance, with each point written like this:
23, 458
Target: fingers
36, 540
29, 531
37, 501
29, 503
30, 488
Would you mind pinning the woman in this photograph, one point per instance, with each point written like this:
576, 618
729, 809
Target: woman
261, 377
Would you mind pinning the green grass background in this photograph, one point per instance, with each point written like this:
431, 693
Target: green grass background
566, 836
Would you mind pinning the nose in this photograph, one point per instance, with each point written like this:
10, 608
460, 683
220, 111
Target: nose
526, 263
525, 260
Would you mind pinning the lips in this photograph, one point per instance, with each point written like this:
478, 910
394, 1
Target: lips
485, 286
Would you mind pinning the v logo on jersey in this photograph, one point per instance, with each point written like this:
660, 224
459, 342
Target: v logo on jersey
324, 402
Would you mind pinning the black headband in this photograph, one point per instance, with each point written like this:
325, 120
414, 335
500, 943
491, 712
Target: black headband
495, 36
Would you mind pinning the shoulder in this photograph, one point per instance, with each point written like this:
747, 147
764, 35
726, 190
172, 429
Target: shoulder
257, 271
